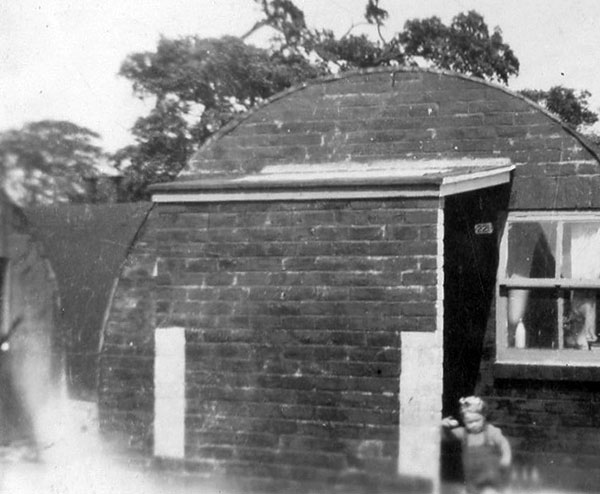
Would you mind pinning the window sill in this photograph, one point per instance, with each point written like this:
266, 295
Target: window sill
544, 372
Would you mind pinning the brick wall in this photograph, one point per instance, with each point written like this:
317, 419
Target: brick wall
283, 301
410, 115
430, 115
126, 363
293, 314
550, 416
549, 413
553, 427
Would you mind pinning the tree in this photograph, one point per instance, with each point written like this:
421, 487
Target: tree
570, 106
48, 160
200, 84
465, 46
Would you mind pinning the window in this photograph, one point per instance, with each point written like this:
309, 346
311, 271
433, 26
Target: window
548, 309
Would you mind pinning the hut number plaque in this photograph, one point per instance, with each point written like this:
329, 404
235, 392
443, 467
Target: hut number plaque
484, 228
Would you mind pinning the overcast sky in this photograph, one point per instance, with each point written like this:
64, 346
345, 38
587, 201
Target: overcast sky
59, 58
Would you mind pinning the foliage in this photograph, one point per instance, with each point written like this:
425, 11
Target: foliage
199, 84
285, 17
47, 161
376, 15
570, 106
352, 52
465, 46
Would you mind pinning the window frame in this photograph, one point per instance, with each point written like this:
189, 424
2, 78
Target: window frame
537, 356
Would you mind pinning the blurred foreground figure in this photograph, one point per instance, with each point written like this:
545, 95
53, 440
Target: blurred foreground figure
486, 453
29, 377
16, 423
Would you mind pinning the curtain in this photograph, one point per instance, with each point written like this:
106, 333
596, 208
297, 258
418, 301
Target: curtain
585, 264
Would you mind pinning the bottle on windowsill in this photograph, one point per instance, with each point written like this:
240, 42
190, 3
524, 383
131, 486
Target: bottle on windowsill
520, 335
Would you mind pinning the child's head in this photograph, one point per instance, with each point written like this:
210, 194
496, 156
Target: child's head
473, 410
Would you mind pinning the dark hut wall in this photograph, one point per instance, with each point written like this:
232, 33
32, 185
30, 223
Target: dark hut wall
361, 117
86, 245
408, 115
550, 413
293, 314
423, 115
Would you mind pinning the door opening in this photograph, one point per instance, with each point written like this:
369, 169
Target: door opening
470, 263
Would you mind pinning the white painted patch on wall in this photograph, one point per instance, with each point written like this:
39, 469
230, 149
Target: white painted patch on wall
421, 387
420, 404
169, 392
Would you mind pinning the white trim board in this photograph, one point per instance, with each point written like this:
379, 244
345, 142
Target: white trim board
455, 184
342, 180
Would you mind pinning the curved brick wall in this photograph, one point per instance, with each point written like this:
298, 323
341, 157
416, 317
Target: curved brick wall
293, 312
410, 115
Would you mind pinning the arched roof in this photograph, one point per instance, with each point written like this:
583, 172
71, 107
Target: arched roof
402, 114
86, 245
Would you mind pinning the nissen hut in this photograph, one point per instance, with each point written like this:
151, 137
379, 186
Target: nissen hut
333, 270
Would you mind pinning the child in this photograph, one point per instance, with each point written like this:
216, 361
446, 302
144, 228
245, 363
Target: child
486, 454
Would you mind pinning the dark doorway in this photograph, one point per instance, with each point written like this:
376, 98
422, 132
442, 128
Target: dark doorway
472, 224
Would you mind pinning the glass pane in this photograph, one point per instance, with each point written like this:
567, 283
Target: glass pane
579, 319
532, 249
532, 318
581, 250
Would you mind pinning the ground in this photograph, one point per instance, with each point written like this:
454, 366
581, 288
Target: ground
93, 476
75, 461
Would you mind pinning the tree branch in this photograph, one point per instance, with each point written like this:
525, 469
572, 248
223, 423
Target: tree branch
253, 29
380, 35
352, 26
